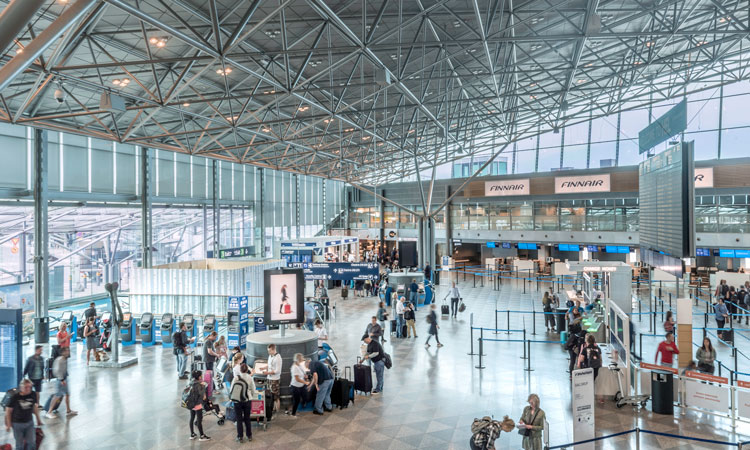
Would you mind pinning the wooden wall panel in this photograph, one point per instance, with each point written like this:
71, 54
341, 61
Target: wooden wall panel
732, 176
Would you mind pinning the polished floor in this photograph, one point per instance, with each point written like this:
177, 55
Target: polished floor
430, 398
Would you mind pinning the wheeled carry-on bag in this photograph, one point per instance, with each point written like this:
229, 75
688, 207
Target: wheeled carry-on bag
394, 327
343, 390
362, 378
445, 309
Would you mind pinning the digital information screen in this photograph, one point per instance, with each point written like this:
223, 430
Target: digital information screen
666, 191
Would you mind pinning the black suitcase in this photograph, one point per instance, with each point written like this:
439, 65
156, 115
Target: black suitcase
445, 309
50, 363
343, 391
394, 326
362, 378
728, 335
403, 331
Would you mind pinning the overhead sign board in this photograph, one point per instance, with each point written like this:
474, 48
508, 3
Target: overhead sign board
704, 177
673, 122
506, 187
338, 271
236, 252
582, 183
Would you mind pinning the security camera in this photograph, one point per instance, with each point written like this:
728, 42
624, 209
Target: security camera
59, 96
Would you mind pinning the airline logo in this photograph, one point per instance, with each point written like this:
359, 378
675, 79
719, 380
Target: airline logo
704, 177
582, 183
506, 187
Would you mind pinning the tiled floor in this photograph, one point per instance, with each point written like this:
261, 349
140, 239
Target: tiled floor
430, 397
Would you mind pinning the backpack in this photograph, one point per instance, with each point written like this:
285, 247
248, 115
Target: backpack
593, 358
191, 396
387, 360
9, 397
176, 342
238, 391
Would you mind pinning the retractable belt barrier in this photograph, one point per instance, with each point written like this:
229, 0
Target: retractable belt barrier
637, 432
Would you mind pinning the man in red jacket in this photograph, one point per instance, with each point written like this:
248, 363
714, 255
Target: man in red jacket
668, 349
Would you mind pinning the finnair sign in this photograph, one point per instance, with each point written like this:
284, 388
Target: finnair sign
583, 183
704, 177
506, 187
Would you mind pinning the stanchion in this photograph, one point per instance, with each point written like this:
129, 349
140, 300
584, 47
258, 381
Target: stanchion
508, 313
495, 319
524, 285
670, 300
524, 346
528, 360
480, 366
533, 322
637, 439
471, 334
640, 345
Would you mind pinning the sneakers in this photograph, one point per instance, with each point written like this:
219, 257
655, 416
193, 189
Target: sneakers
426, 345
376, 392
204, 438
440, 345
51, 415
72, 413
327, 409
317, 413
239, 439
193, 436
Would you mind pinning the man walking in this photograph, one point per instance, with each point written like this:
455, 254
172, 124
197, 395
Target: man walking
19, 416
34, 370
60, 371
374, 330
455, 296
667, 349
323, 382
375, 355
400, 317
414, 293
180, 343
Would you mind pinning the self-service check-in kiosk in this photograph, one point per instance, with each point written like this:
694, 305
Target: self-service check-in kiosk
72, 322
167, 329
192, 328
237, 322
127, 330
146, 329
209, 324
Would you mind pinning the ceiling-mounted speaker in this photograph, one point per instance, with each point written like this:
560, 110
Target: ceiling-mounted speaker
382, 77
112, 103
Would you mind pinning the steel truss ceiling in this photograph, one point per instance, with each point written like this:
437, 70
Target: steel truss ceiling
362, 91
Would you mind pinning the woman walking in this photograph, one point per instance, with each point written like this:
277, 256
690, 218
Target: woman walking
532, 421
721, 311
432, 320
198, 391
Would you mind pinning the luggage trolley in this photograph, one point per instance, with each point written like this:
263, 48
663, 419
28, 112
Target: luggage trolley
620, 401
258, 403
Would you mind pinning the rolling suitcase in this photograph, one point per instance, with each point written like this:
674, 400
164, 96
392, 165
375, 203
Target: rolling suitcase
403, 331
343, 390
394, 327
445, 309
344, 292
362, 378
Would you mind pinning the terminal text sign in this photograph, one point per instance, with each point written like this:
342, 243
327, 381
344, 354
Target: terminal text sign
506, 187
338, 271
582, 183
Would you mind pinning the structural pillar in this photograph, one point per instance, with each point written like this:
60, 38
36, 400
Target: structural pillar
205, 231
429, 226
41, 239
22, 253
420, 242
261, 216
296, 204
215, 206
347, 202
448, 224
381, 210
146, 225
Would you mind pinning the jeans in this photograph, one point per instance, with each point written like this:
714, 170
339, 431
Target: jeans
399, 325
414, 299
181, 363
379, 369
309, 324
24, 431
197, 416
454, 306
298, 393
323, 397
242, 410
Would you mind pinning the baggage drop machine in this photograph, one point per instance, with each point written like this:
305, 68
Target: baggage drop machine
127, 329
192, 328
237, 322
146, 329
167, 329
209, 324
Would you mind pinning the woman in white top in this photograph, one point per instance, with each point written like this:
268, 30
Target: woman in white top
236, 363
299, 381
320, 332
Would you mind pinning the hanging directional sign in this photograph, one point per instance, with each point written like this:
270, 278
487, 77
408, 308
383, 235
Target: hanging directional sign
338, 271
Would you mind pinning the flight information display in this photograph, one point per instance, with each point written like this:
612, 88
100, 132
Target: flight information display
666, 189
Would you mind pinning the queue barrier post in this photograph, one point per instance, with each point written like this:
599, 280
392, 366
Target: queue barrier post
480, 366
508, 314
471, 334
496, 321
528, 360
640, 345
637, 439
524, 345
533, 322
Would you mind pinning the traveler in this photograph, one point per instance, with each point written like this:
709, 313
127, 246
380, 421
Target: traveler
549, 318
575, 339
400, 316
590, 355
320, 332
427, 271
60, 372
220, 347
309, 316
484, 431
368, 288
322, 379
63, 337
732, 302
241, 393
746, 303
722, 290
359, 286
237, 361
209, 354
667, 348
575, 308
374, 353
19, 416
721, 312
532, 420
198, 392
455, 296
299, 382
432, 320
410, 321
89, 335
414, 293
34, 370
374, 330
274, 375
180, 343
669, 323
90, 311
706, 355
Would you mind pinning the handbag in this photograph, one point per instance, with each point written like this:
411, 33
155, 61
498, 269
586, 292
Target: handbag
461, 306
525, 431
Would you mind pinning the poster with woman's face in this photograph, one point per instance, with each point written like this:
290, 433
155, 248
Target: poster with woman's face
283, 296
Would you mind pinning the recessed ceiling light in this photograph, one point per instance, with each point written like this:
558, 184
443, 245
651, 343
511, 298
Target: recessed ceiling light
186, 104
328, 120
702, 43
266, 130
533, 97
225, 71
19, 51
116, 82
649, 44
589, 64
581, 81
456, 24
365, 138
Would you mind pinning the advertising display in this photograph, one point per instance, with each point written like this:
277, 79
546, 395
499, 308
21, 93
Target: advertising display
506, 187
18, 295
284, 296
338, 271
582, 183
583, 407
707, 396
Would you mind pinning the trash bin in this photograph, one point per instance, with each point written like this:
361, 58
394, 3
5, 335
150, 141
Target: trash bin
662, 392
562, 323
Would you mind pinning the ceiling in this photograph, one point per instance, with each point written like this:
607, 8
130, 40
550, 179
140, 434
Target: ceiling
362, 91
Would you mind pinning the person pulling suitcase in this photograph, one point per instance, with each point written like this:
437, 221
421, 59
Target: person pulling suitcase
375, 354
